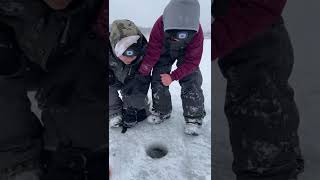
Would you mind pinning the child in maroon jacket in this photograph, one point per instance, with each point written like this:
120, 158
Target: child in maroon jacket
256, 57
177, 35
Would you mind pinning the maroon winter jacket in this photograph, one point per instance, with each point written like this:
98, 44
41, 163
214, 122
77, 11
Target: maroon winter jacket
101, 26
244, 19
192, 58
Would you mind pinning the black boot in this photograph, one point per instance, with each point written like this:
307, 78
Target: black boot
142, 115
130, 117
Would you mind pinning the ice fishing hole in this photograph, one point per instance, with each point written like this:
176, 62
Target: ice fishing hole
157, 151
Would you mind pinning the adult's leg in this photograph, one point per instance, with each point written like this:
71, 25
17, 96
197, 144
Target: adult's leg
20, 130
72, 151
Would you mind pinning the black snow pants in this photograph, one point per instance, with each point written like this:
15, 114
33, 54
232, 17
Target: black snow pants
74, 106
133, 93
261, 110
20, 130
191, 92
20, 133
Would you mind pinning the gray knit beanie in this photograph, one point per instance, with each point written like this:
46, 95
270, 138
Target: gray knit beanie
182, 14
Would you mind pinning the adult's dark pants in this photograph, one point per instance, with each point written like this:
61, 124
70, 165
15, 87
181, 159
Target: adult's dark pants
260, 108
20, 131
74, 118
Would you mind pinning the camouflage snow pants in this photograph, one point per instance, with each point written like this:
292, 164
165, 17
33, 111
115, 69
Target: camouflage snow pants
191, 92
260, 107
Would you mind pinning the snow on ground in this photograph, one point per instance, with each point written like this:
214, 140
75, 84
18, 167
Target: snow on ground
188, 158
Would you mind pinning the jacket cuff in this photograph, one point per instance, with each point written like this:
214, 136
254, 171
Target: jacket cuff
174, 77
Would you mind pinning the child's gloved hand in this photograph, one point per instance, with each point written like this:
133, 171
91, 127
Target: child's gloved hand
166, 79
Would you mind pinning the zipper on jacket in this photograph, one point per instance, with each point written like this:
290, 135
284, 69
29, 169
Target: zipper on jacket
64, 36
130, 70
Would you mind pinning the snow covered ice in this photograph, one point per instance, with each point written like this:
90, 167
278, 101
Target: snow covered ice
188, 157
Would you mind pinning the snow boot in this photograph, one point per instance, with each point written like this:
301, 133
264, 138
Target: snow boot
157, 118
193, 126
115, 120
130, 117
142, 115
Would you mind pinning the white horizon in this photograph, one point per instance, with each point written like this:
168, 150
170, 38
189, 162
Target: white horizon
146, 17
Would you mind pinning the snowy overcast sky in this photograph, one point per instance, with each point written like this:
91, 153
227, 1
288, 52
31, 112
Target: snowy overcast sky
145, 12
